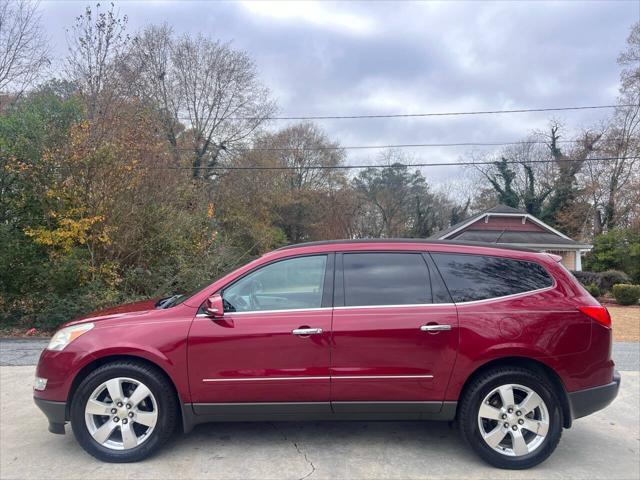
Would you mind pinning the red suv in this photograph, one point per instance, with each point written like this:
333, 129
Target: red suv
503, 341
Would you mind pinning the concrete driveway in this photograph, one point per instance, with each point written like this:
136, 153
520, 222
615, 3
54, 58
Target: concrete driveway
605, 445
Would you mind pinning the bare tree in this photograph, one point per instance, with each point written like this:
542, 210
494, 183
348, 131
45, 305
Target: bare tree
629, 60
97, 42
208, 85
304, 147
613, 184
147, 69
23, 46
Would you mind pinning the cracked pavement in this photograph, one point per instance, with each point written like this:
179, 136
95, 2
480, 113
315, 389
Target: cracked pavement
604, 445
299, 450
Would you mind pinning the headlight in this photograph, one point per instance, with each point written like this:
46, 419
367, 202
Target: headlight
65, 336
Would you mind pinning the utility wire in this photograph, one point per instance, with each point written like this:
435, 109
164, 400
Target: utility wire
400, 145
355, 167
402, 165
429, 114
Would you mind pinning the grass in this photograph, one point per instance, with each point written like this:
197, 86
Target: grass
626, 323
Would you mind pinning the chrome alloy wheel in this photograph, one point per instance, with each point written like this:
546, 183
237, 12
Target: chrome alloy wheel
121, 413
513, 420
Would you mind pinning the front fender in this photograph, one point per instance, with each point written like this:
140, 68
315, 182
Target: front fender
165, 346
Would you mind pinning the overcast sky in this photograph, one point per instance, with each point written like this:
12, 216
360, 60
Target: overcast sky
374, 58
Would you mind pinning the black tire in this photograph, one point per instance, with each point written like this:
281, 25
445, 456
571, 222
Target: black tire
481, 387
156, 382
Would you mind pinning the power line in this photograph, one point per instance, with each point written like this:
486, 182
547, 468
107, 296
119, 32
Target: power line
428, 114
400, 145
355, 167
403, 165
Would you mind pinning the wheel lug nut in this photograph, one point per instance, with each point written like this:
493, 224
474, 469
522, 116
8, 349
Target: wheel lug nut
119, 404
124, 421
114, 410
130, 414
510, 410
521, 422
115, 419
518, 413
506, 425
503, 416
128, 405
515, 427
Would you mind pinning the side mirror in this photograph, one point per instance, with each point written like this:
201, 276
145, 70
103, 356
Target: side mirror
214, 306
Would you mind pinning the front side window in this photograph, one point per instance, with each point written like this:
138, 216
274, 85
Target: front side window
385, 279
477, 277
288, 284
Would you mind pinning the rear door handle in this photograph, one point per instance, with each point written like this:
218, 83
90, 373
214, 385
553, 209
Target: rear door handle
435, 328
307, 331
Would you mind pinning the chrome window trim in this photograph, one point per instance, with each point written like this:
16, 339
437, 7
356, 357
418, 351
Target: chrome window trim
285, 310
513, 295
413, 305
406, 305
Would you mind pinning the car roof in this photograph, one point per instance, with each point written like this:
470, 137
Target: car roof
387, 241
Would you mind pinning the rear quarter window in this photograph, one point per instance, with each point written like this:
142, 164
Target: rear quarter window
480, 277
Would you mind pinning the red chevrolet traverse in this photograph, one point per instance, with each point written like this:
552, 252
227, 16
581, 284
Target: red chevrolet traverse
503, 341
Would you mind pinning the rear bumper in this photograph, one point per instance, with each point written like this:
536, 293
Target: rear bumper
585, 402
55, 412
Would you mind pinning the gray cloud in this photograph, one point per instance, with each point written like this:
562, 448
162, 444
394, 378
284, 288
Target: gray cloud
349, 58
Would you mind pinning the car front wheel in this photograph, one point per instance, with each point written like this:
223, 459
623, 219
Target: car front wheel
123, 411
511, 417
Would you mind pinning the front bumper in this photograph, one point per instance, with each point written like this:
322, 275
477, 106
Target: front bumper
585, 402
56, 413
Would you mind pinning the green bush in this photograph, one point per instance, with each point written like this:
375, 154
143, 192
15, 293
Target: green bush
594, 290
626, 294
618, 249
612, 277
587, 278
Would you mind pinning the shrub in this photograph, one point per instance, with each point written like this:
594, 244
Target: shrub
593, 289
618, 249
626, 294
587, 278
610, 278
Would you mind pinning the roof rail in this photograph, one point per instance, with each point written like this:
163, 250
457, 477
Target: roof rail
405, 240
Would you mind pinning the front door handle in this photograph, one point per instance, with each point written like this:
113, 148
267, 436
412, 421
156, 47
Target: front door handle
306, 331
435, 328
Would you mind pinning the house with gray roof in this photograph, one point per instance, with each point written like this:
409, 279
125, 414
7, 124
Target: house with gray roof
509, 226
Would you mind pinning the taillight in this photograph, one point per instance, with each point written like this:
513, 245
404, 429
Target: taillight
600, 314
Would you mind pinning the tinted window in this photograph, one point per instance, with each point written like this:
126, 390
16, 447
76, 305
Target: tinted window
438, 288
475, 277
288, 284
385, 279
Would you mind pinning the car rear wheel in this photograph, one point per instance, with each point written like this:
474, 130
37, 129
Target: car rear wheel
123, 411
511, 417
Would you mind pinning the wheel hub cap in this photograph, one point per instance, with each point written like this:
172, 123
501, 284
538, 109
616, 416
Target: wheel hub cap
513, 420
121, 413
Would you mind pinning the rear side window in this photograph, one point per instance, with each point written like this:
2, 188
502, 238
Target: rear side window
385, 279
477, 277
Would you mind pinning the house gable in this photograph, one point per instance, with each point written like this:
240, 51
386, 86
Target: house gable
493, 222
507, 225
502, 225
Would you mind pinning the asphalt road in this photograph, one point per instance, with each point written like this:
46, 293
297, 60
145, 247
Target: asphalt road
26, 352
604, 445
